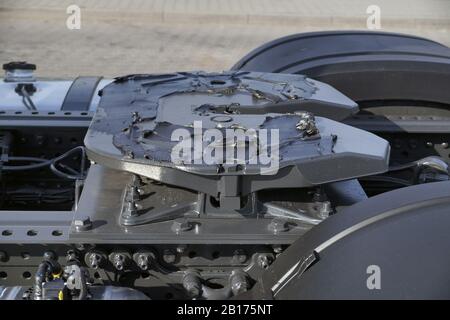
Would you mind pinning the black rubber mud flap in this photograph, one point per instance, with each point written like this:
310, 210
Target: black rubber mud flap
364, 65
392, 246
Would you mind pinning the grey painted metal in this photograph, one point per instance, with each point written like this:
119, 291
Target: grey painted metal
35, 226
12, 119
132, 130
101, 200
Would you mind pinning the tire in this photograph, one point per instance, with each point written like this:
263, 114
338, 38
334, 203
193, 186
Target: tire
366, 66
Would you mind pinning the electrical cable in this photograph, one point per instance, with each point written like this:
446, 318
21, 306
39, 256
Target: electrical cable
52, 164
26, 99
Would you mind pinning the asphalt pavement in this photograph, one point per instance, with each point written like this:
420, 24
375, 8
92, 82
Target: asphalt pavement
138, 36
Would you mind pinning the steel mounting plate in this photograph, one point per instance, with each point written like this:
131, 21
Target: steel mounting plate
137, 115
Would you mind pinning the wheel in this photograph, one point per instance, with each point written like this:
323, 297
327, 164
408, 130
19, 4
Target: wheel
366, 66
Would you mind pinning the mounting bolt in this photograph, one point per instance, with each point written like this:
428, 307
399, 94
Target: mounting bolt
133, 193
94, 260
277, 249
192, 283
325, 209
130, 209
181, 248
239, 282
144, 260
71, 255
135, 118
169, 256
83, 224
278, 225
307, 123
181, 225
40, 140
264, 261
119, 260
240, 256
49, 256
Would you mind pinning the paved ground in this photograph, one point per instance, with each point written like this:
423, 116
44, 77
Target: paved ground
137, 36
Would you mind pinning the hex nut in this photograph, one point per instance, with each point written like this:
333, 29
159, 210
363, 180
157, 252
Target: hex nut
278, 225
182, 225
83, 224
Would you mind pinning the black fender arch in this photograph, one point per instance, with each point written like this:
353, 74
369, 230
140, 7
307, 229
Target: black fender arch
364, 65
402, 233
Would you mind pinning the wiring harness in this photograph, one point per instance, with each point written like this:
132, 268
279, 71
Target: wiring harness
55, 164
